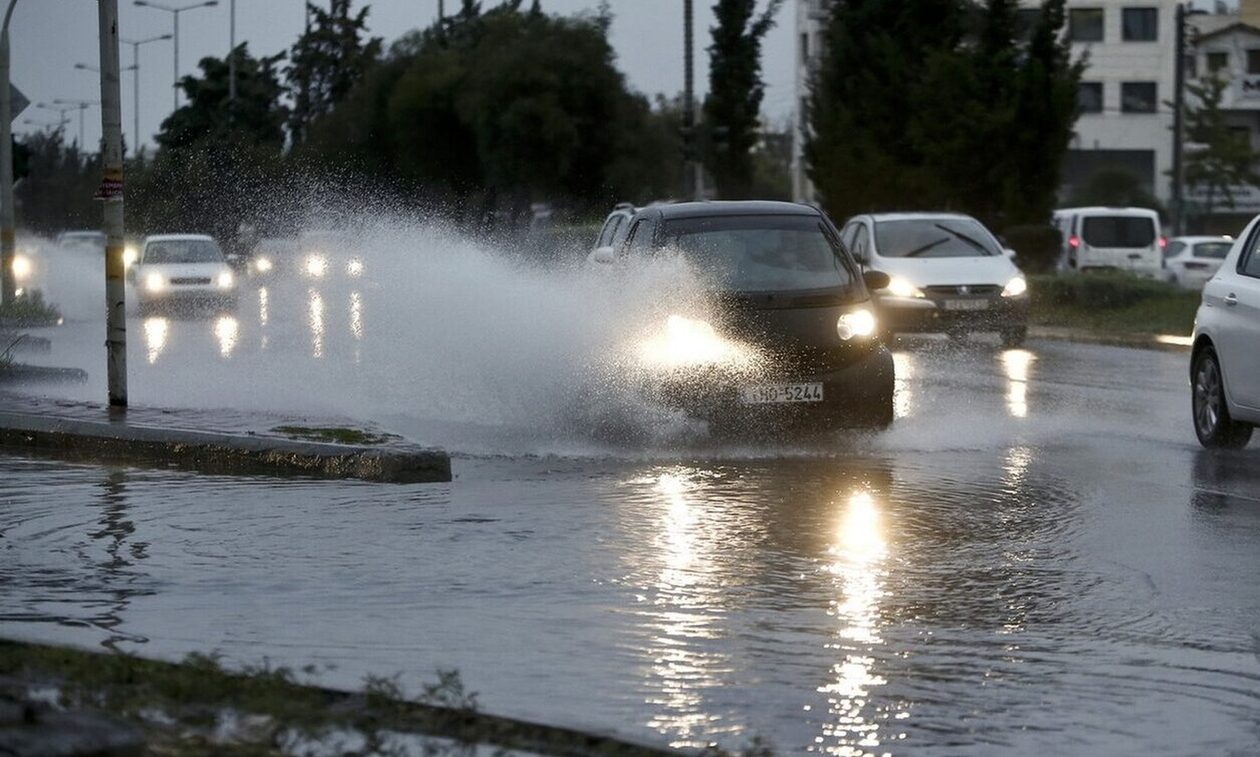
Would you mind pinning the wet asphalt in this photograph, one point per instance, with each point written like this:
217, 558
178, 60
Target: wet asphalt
1036, 558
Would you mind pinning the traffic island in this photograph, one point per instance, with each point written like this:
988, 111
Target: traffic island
219, 442
56, 700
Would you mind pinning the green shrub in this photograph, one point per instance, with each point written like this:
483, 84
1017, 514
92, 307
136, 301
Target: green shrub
29, 309
1100, 291
1037, 247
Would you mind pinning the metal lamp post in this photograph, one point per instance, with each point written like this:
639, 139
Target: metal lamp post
135, 66
82, 105
86, 67
175, 10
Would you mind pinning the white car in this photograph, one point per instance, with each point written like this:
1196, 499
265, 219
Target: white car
182, 267
948, 274
1124, 239
1225, 361
1191, 261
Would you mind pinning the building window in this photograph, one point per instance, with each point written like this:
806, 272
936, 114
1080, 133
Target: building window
1089, 97
1138, 97
1217, 62
1253, 61
1140, 24
1085, 24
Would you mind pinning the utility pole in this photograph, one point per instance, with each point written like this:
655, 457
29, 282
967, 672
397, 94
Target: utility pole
111, 192
1179, 124
8, 219
695, 177
231, 60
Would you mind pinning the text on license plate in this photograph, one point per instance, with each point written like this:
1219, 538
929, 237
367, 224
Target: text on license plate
767, 394
966, 304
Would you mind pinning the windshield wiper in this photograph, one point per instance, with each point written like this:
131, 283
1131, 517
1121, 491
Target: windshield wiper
964, 238
920, 250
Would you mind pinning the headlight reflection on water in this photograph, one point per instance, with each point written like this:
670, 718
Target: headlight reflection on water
226, 330
155, 331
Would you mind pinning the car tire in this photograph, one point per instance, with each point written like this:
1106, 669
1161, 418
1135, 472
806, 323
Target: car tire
1014, 338
1209, 410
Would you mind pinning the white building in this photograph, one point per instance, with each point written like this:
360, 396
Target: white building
1125, 123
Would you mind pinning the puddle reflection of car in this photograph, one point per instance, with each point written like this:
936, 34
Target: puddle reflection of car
795, 338
948, 275
182, 269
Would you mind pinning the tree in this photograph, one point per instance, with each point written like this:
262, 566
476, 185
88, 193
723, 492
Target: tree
257, 116
328, 61
942, 104
57, 193
732, 110
1224, 159
1115, 187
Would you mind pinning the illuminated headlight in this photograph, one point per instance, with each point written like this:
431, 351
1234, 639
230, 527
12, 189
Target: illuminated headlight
21, 267
1015, 287
354, 267
130, 256
316, 266
225, 280
154, 282
899, 287
262, 265
690, 343
856, 324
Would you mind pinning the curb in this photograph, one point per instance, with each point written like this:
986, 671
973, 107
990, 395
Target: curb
219, 453
1165, 343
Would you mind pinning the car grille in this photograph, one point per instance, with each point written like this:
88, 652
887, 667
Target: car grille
964, 290
190, 281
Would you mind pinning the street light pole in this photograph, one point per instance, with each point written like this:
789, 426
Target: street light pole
82, 105
175, 11
135, 65
231, 60
111, 192
8, 219
136, 68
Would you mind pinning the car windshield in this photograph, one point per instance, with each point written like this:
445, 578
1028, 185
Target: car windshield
83, 237
1118, 231
768, 253
183, 251
1214, 250
934, 238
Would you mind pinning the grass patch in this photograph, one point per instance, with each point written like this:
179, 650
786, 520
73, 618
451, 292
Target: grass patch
1112, 303
29, 310
335, 435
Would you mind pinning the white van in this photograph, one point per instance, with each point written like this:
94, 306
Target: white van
1126, 239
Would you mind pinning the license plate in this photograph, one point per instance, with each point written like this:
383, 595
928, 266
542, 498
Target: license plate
771, 394
966, 304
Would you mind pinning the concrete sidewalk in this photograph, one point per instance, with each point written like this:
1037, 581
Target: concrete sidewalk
216, 441
1169, 343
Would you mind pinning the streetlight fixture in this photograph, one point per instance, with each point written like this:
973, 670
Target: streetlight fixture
135, 65
175, 10
86, 67
82, 105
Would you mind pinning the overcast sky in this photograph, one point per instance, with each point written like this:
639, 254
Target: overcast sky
49, 36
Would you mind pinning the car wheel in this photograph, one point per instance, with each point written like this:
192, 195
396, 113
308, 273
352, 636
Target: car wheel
1014, 338
1212, 423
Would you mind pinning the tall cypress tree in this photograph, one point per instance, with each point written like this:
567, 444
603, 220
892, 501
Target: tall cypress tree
732, 110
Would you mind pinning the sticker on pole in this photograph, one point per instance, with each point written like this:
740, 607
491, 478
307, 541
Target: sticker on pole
111, 188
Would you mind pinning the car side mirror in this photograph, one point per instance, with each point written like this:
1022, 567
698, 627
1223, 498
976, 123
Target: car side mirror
604, 256
876, 279
1008, 252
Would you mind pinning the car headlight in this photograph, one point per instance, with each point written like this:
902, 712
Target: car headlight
21, 267
689, 343
130, 256
1015, 287
262, 265
225, 280
856, 324
316, 266
355, 268
899, 287
154, 282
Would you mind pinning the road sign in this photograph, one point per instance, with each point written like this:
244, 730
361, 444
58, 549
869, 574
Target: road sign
17, 102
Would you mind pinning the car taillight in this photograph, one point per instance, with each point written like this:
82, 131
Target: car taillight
1163, 243
1074, 241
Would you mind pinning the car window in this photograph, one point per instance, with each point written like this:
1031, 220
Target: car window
183, 251
934, 238
610, 230
619, 233
1118, 231
1212, 250
1174, 249
861, 243
1250, 263
640, 239
762, 253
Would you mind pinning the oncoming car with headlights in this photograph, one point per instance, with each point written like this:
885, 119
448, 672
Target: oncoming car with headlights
794, 336
173, 268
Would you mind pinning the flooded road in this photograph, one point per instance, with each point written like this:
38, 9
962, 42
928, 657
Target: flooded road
1037, 558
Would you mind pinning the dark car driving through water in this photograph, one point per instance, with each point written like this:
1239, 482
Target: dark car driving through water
794, 338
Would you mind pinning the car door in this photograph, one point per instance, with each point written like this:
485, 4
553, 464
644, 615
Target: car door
1237, 293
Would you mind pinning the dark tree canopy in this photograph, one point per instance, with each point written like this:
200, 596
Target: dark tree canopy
328, 61
258, 115
732, 111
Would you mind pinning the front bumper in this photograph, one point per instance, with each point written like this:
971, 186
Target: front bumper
857, 393
928, 315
